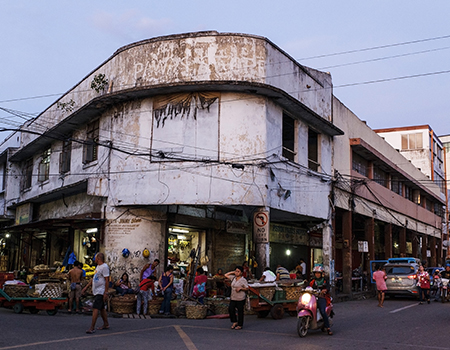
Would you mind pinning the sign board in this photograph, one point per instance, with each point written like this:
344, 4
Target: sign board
261, 227
237, 227
24, 213
363, 246
288, 234
428, 253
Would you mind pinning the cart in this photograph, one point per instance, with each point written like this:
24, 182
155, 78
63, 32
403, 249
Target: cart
34, 305
263, 306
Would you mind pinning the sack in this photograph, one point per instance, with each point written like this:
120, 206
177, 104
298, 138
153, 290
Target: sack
73, 286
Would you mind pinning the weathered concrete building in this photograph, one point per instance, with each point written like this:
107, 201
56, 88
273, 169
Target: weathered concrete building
176, 142
382, 199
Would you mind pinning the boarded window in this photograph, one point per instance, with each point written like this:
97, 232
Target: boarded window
65, 156
90, 149
185, 127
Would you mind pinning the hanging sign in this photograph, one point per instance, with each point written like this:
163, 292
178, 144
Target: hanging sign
261, 227
363, 246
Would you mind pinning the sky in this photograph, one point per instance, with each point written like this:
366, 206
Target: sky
48, 46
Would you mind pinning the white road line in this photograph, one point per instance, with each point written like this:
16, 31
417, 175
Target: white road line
402, 308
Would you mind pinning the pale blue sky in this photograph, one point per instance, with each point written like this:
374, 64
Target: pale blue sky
49, 46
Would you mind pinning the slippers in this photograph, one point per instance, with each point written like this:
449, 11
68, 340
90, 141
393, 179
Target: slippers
103, 328
233, 326
90, 331
237, 328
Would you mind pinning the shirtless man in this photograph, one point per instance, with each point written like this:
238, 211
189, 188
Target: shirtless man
75, 276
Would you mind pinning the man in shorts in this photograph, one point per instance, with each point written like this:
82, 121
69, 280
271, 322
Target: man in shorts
75, 277
380, 278
100, 285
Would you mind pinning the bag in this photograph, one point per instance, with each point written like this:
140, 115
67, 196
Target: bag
425, 284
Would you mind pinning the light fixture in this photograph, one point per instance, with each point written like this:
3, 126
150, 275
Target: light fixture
92, 230
288, 252
178, 230
182, 237
8, 235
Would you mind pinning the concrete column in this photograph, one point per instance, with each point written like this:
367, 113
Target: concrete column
415, 245
388, 241
424, 248
347, 252
433, 251
402, 241
327, 250
370, 238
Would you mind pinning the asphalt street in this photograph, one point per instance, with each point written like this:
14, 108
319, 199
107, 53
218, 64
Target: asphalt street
401, 324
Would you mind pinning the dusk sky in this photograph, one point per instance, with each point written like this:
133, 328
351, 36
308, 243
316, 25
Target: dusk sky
49, 46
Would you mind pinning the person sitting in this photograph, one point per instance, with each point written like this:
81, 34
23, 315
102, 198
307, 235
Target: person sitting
282, 273
123, 285
219, 279
199, 291
320, 283
268, 276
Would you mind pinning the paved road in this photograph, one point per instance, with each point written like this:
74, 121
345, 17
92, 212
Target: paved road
401, 324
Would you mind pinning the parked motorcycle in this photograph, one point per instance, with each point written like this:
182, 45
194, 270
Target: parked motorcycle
308, 315
444, 289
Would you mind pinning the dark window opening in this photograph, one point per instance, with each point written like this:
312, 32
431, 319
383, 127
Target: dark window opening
313, 150
288, 137
65, 157
90, 150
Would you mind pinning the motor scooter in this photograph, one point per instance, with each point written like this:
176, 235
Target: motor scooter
444, 289
308, 314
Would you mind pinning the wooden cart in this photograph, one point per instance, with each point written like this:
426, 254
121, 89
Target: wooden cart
263, 306
34, 305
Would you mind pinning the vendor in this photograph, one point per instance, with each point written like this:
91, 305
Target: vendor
123, 285
268, 276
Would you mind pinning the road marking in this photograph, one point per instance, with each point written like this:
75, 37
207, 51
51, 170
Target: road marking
187, 341
402, 308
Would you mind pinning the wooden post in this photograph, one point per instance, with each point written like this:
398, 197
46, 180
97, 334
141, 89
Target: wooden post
370, 238
415, 245
388, 241
433, 251
402, 241
347, 252
424, 248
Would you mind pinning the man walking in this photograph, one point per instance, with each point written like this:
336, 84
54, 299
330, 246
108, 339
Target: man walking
380, 278
100, 285
75, 276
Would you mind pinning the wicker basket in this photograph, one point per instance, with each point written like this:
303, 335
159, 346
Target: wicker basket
124, 305
221, 309
154, 306
292, 292
16, 290
267, 292
52, 290
196, 312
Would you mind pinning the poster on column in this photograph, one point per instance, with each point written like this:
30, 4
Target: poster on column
261, 227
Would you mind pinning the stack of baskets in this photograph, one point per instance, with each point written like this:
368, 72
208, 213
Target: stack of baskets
267, 292
124, 304
52, 290
16, 290
196, 312
292, 292
154, 305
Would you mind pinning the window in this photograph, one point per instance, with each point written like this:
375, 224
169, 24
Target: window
412, 141
288, 137
65, 156
44, 166
90, 150
428, 204
28, 174
439, 209
360, 165
439, 180
380, 177
313, 150
408, 193
396, 185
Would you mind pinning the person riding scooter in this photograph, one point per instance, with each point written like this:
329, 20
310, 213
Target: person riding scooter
319, 282
444, 275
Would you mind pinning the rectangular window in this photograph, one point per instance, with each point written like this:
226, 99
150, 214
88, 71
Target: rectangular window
412, 141
409, 193
380, 177
288, 137
27, 174
313, 150
90, 149
396, 185
65, 156
359, 164
44, 166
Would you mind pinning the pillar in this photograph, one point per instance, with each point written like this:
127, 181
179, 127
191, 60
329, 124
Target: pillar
424, 248
327, 251
347, 252
388, 241
433, 251
415, 245
402, 241
261, 239
369, 229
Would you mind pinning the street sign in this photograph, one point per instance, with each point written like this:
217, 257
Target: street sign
261, 227
363, 246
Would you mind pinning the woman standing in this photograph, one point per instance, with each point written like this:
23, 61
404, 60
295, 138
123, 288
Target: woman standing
423, 282
166, 284
239, 286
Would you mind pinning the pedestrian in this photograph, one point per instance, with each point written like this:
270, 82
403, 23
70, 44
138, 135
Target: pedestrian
423, 283
166, 284
199, 291
146, 290
282, 273
380, 278
100, 285
239, 286
148, 269
75, 277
